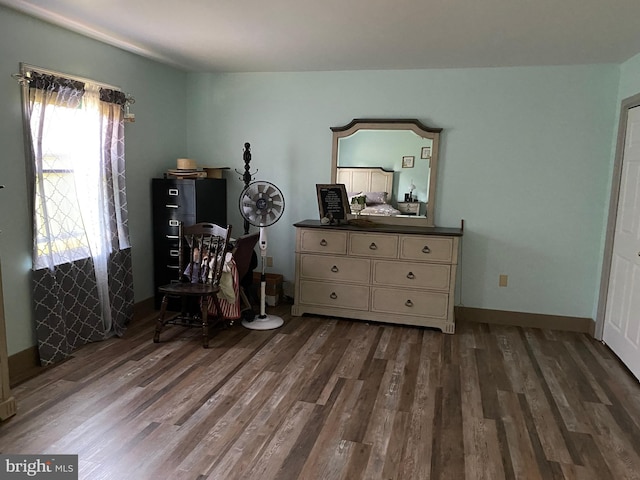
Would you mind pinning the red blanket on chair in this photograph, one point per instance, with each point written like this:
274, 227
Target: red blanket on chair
229, 296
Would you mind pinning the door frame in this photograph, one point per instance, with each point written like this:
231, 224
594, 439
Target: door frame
626, 105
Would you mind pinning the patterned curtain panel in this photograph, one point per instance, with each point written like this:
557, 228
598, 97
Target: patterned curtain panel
83, 289
67, 309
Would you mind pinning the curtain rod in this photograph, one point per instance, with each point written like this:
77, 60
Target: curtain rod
25, 67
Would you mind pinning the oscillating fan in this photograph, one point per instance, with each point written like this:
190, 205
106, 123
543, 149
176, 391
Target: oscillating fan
262, 205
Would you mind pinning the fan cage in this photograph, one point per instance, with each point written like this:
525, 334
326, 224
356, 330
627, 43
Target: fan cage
261, 203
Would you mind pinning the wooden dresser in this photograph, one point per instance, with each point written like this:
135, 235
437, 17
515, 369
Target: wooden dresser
387, 273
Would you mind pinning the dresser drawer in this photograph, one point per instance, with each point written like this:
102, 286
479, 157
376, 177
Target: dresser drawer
372, 245
413, 275
339, 269
426, 248
409, 208
354, 297
316, 241
409, 302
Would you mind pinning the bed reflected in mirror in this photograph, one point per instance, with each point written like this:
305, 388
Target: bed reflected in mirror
392, 164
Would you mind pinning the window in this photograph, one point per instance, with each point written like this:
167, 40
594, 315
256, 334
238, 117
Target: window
68, 184
70, 190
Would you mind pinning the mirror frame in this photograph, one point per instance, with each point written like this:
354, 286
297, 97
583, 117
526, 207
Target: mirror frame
411, 124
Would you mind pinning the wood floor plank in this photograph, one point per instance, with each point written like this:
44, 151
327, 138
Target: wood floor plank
258, 431
589, 375
547, 468
326, 398
389, 343
551, 430
282, 442
567, 401
389, 394
448, 450
358, 460
470, 389
487, 387
396, 446
221, 436
619, 454
523, 457
507, 341
359, 352
324, 371
505, 447
409, 378
378, 436
416, 462
578, 472
359, 420
483, 459
482, 456
332, 434
591, 456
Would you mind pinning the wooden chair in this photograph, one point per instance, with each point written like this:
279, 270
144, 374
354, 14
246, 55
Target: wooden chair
202, 248
244, 256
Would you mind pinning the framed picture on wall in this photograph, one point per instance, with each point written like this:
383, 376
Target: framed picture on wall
425, 152
407, 162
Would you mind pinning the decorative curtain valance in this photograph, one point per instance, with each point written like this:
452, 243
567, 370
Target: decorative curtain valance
53, 83
44, 81
113, 96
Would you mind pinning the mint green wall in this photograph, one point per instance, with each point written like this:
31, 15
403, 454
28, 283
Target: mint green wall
152, 145
525, 156
629, 78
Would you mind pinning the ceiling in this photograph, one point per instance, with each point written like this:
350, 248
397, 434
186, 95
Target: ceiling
324, 35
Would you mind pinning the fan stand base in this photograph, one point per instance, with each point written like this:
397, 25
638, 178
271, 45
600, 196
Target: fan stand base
268, 322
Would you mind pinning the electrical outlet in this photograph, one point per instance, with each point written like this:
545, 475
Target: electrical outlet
269, 261
503, 280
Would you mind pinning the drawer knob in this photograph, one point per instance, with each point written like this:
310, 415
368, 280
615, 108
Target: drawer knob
323, 242
426, 249
168, 205
333, 295
334, 269
373, 246
410, 276
409, 303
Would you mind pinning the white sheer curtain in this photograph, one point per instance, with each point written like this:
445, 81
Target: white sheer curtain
82, 264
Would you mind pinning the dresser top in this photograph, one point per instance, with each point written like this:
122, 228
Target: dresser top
383, 228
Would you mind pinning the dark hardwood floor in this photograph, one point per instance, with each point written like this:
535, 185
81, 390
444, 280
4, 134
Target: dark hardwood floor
323, 398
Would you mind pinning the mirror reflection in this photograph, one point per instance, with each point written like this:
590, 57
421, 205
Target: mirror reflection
388, 168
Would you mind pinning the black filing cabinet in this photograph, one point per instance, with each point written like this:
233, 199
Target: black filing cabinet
181, 200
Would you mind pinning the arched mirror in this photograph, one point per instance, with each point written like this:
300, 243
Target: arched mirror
392, 163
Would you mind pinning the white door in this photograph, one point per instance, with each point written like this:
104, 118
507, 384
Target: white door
622, 316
